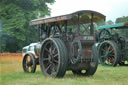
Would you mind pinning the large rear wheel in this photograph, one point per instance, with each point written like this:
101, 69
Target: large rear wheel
53, 58
108, 53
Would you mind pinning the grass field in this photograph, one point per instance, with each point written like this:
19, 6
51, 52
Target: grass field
11, 73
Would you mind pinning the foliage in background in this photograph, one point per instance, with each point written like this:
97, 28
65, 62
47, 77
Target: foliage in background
109, 22
15, 16
122, 19
124, 32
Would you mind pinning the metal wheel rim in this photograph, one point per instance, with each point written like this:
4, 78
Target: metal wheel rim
107, 54
28, 63
50, 58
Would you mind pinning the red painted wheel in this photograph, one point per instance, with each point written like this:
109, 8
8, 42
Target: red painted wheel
109, 53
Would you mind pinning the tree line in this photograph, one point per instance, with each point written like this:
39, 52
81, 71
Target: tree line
15, 16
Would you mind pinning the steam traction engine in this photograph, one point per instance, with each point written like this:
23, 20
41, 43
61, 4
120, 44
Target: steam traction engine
113, 47
67, 43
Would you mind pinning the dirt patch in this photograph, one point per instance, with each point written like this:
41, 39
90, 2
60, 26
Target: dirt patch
10, 54
10, 63
11, 58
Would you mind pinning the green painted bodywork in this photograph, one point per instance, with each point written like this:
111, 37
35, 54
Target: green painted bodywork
120, 25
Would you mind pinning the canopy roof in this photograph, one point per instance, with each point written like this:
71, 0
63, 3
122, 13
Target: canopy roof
86, 15
119, 25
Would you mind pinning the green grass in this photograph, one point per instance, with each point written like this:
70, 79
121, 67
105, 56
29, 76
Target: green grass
103, 76
11, 73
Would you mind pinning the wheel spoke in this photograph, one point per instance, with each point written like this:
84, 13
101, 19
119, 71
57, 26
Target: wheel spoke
45, 59
110, 51
109, 48
50, 49
53, 71
46, 50
56, 61
55, 56
54, 50
103, 50
48, 67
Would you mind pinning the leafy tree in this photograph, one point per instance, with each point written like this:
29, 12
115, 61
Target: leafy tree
109, 22
122, 19
15, 16
124, 32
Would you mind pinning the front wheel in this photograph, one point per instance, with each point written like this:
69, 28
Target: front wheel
29, 63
